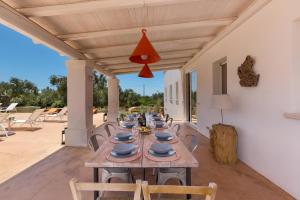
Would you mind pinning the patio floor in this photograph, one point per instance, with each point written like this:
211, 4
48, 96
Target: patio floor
48, 179
26, 148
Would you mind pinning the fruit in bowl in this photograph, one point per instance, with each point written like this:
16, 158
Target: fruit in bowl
144, 130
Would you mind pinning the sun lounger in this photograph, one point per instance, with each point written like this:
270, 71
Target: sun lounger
32, 120
56, 117
10, 108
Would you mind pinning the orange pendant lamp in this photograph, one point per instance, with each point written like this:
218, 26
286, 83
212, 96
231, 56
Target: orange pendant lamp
144, 52
146, 72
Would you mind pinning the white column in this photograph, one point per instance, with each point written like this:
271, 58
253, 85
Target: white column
80, 102
113, 99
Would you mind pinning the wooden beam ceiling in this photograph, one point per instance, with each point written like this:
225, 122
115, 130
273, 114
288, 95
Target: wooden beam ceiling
176, 45
93, 6
153, 68
162, 62
163, 55
160, 28
14, 20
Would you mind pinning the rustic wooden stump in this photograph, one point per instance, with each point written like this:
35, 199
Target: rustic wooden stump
223, 143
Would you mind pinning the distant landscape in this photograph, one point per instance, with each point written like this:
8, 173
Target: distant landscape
26, 93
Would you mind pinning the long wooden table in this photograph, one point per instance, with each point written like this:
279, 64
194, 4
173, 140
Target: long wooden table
99, 160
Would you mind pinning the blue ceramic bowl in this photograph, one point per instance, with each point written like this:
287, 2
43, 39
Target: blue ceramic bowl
128, 125
123, 149
161, 148
162, 135
123, 136
170, 153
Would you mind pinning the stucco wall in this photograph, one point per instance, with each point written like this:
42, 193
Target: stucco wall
267, 141
173, 109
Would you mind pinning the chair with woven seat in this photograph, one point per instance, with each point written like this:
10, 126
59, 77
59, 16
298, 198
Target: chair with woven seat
209, 191
108, 173
164, 174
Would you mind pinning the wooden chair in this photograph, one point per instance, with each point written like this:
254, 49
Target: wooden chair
208, 191
77, 188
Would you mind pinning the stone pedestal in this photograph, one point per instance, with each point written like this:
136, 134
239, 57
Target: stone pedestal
223, 143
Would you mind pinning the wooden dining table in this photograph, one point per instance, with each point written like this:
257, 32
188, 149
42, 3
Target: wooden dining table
185, 159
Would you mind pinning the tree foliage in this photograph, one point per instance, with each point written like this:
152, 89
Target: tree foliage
26, 93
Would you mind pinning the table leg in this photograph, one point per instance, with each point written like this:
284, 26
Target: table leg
96, 180
188, 180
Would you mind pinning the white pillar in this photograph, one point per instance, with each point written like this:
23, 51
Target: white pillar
80, 102
113, 99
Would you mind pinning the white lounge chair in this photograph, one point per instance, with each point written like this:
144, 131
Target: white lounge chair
4, 131
11, 107
32, 120
56, 116
3, 117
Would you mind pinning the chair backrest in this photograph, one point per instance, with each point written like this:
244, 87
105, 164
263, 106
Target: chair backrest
11, 107
169, 122
193, 142
208, 191
175, 129
35, 115
107, 128
77, 188
94, 142
63, 111
167, 118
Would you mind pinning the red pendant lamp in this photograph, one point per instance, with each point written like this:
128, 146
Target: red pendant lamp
146, 72
144, 52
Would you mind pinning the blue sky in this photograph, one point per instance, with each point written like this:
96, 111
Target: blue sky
21, 58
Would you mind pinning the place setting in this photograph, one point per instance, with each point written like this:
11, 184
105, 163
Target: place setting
127, 124
124, 153
165, 137
158, 124
161, 152
123, 137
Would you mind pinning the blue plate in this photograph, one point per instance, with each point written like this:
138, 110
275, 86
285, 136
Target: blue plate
161, 148
114, 154
128, 125
170, 153
124, 136
123, 149
163, 135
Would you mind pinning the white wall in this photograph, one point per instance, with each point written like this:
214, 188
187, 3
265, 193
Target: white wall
175, 111
267, 141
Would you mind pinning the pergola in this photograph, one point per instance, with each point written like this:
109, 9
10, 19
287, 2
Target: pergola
101, 34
